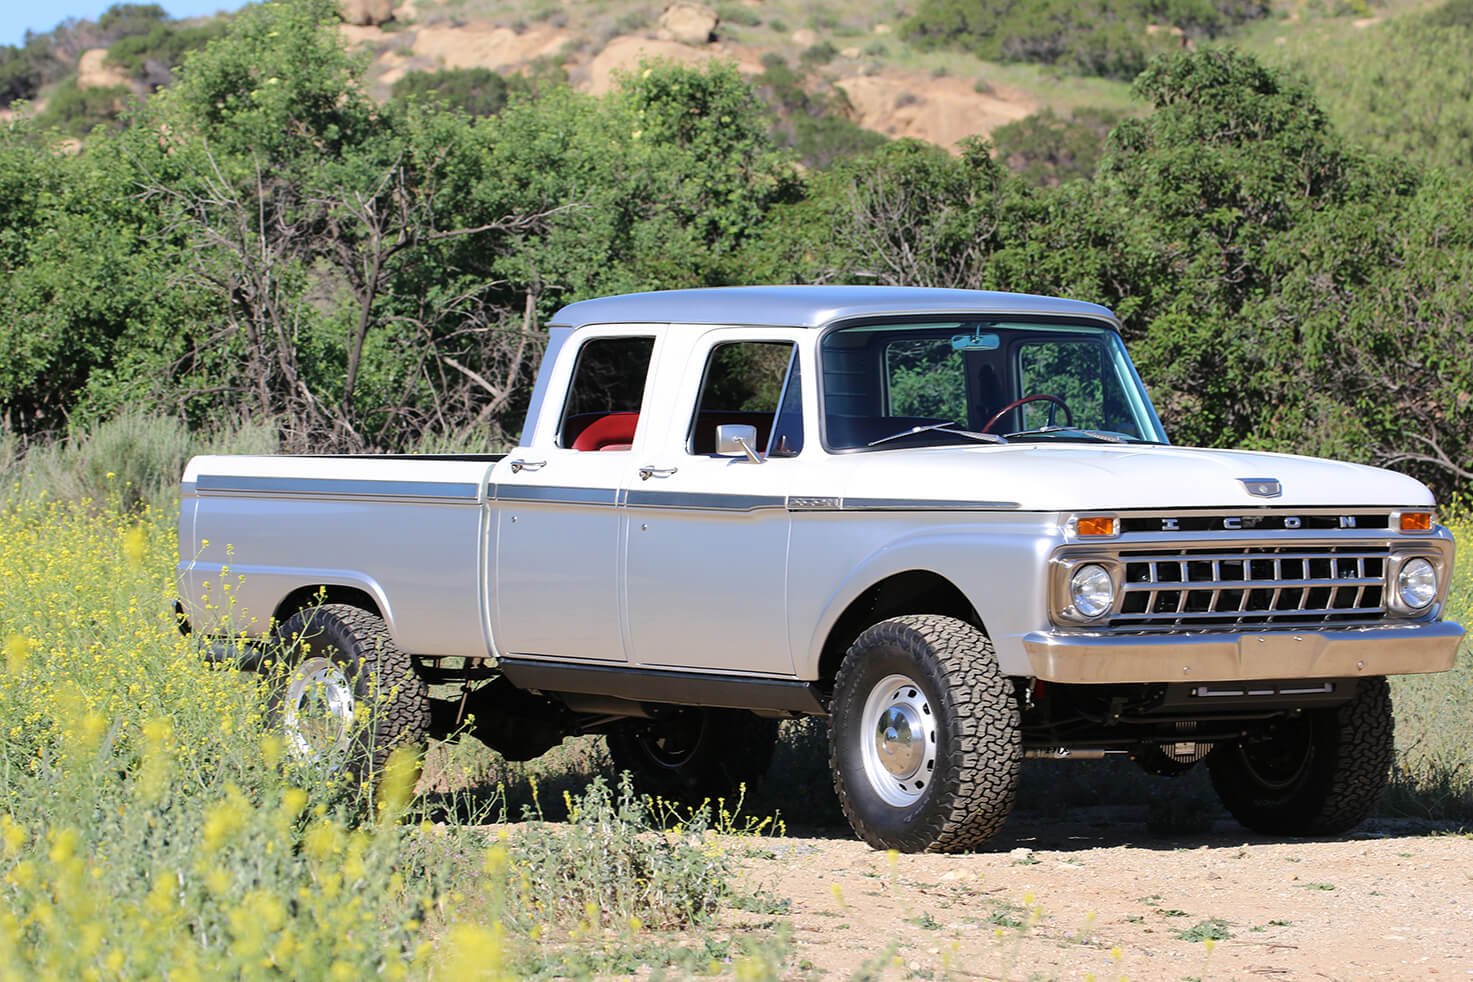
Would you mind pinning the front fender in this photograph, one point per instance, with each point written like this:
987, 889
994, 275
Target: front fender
997, 561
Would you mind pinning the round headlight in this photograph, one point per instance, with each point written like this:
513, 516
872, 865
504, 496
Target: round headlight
1416, 584
1090, 590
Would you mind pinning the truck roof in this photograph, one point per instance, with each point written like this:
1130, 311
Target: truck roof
807, 306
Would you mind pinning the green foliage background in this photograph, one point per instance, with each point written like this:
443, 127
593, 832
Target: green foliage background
262, 240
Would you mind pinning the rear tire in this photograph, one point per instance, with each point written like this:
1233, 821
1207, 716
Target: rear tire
1320, 773
694, 754
925, 737
345, 695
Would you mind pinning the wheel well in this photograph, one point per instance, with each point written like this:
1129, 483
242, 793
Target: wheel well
306, 597
915, 592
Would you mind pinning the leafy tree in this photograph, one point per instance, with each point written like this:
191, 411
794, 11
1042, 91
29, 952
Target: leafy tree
315, 220
24, 69
86, 287
1370, 326
1047, 149
128, 19
906, 214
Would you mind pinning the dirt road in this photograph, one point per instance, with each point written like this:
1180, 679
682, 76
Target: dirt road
1095, 895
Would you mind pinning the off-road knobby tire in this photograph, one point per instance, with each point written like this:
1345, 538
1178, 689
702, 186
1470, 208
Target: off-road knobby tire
1332, 765
391, 699
694, 754
979, 748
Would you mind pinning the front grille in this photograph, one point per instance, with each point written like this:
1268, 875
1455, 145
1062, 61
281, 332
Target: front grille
1252, 588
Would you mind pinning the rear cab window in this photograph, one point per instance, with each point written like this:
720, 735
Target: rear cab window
606, 394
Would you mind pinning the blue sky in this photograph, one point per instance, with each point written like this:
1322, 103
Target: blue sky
18, 16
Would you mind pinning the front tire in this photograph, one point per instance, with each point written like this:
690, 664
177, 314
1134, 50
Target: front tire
925, 736
345, 695
1320, 773
693, 755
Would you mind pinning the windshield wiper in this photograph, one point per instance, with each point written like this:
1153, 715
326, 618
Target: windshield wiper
1102, 436
938, 428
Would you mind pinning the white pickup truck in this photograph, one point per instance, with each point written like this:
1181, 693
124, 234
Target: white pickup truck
949, 521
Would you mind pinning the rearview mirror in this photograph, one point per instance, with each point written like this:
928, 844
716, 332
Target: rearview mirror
737, 439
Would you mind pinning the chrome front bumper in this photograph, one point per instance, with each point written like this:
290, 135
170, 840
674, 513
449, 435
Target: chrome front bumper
1382, 650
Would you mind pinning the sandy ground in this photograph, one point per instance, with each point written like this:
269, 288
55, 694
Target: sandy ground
1095, 895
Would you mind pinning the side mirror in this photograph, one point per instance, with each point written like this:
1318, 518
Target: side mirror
736, 439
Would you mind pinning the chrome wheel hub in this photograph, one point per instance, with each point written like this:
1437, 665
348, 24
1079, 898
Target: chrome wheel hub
898, 740
318, 710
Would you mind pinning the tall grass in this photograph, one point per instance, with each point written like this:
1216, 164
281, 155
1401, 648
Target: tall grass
152, 825
133, 459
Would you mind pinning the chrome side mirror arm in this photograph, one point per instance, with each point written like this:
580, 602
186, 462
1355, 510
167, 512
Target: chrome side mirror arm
734, 439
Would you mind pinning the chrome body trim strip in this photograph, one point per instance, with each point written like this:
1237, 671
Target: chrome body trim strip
465, 493
819, 503
697, 501
550, 495
1381, 650
921, 504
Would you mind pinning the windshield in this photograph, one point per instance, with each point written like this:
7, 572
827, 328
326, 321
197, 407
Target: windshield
887, 386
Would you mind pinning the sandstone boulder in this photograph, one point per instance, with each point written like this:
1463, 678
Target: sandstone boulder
366, 13
688, 23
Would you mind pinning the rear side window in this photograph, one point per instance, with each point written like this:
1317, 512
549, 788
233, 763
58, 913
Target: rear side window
753, 383
607, 394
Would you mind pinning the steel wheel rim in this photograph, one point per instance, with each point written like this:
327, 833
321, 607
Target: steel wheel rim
898, 739
318, 710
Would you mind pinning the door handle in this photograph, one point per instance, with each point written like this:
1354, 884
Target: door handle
647, 472
517, 466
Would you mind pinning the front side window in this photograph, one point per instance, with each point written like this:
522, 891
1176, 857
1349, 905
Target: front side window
606, 394
908, 384
752, 383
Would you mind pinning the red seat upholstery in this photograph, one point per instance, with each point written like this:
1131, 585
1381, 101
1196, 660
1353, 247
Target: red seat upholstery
612, 432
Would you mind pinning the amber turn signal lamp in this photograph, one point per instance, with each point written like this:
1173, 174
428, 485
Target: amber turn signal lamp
1416, 521
1105, 526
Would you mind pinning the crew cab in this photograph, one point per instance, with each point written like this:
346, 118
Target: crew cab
948, 521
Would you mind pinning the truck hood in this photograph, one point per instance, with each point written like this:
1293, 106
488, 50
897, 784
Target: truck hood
1074, 477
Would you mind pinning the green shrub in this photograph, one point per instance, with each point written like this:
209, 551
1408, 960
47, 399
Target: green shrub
732, 13
475, 91
151, 57
819, 54
821, 141
1456, 14
76, 112
1095, 37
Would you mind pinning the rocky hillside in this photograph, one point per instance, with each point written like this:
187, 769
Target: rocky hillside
890, 98
843, 77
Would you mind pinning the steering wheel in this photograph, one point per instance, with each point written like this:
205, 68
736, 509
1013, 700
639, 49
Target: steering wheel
1036, 397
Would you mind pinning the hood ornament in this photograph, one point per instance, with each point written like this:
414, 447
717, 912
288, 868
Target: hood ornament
1262, 487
